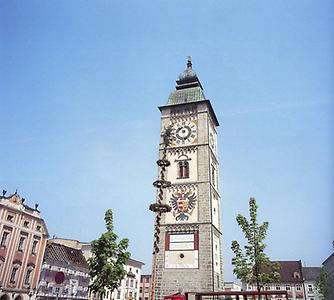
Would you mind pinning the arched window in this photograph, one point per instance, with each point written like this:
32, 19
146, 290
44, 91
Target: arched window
183, 169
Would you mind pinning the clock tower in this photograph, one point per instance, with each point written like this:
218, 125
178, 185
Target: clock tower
190, 256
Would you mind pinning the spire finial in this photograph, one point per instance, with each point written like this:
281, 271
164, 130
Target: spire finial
189, 63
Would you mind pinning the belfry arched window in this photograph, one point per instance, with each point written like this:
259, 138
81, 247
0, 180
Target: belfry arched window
183, 169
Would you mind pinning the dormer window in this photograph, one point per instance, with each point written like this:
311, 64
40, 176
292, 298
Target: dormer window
296, 275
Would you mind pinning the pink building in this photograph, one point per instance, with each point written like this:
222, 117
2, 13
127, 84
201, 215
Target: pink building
23, 236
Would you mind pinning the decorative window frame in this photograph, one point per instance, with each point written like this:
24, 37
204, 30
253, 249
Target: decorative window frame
4, 239
30, 269
13, 277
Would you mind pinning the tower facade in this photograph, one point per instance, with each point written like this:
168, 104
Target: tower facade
190, 256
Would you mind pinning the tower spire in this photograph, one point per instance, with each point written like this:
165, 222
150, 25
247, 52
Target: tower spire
189, 62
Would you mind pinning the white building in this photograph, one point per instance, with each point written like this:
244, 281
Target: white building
230, 286
310, 275
129, 288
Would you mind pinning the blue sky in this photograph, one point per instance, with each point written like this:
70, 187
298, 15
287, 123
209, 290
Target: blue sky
80, 82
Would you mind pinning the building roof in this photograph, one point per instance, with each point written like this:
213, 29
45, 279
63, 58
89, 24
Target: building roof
188, 87
290, 271
329, 258
134, 263
311, 273
63, 255
16, 203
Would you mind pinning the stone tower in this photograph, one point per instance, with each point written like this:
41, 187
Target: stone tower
190, 239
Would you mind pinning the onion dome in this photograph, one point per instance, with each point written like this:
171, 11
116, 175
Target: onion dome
188, 87
188, 74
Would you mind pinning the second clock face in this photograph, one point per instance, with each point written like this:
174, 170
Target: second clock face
184, 132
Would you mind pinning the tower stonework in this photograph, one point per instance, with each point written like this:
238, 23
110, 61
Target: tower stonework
190, 244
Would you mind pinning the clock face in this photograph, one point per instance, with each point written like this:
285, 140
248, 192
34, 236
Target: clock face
184, 132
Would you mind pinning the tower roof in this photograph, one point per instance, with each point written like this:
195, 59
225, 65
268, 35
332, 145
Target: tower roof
188, 87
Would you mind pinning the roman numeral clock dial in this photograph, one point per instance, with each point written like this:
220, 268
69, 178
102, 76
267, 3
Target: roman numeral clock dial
184, 133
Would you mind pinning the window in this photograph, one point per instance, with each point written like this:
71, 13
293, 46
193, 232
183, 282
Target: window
310, 288
298, 287
4, 239
140, 290
13, 274
278, 288
2, 260
21, 243
287, 287
38, 228
182, 241
34, 247
183, 169
213, 175
28, 275
26, 224
267, 288
10, 218
118, 294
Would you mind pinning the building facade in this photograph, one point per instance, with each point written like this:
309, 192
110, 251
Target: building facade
190, 239
23, 235
145, 287
310, 275
130, 285
64, 274
230, 286
291, 280
328, 265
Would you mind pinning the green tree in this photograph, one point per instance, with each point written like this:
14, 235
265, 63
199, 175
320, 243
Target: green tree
324, 284
253, 266
106, 266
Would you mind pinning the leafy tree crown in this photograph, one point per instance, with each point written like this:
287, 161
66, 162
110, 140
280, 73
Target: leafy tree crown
106, 266
253, 265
